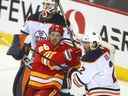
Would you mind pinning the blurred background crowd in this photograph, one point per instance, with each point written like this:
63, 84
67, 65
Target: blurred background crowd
116, 4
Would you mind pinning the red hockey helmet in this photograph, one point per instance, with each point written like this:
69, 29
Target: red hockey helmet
56, 28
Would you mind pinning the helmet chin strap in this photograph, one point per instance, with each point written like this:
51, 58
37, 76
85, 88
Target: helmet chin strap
94, 45
47, 13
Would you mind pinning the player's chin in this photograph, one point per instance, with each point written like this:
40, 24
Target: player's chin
54, 42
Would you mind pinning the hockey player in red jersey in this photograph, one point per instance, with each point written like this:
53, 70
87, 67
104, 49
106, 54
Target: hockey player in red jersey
97, 70
36, 25
52, 58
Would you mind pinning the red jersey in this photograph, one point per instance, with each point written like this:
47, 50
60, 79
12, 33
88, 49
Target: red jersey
47, 72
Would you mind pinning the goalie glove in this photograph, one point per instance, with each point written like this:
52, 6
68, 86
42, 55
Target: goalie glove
16, 53
16, 49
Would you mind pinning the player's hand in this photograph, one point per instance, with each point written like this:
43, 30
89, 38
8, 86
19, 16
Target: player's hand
71, 52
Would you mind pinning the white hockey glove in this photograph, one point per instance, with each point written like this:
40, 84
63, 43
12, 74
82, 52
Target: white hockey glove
110, 47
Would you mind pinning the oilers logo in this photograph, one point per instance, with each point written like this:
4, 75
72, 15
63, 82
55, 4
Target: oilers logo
40, 34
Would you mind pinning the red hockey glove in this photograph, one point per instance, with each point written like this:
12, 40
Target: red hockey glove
72, 52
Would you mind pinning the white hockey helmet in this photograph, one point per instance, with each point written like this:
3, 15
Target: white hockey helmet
93, 39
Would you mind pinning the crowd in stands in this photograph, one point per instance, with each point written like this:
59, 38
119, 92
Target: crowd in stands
116, 4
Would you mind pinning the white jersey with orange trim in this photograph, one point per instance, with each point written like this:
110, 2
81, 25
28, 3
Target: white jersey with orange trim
39, 29
36, 29
98, 76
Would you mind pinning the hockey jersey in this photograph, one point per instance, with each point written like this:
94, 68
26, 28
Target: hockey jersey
38, 27
97, 74
35, 28
49, 65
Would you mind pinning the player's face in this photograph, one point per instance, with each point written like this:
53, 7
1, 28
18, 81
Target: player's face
49, 6
86, 46
55, 37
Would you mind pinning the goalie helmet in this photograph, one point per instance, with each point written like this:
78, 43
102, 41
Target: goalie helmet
50, 1
93, 39
49, 7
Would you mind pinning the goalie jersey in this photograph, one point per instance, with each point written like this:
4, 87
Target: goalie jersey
38, 27
34, 29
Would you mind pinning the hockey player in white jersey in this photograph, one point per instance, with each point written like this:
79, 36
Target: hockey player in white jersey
97, 69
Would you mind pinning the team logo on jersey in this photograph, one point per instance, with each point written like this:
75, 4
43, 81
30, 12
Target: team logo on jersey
40, 34
106, 56
77, 19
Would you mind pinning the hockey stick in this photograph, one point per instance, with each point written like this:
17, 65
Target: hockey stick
71, 38
53, 61
28, 66
66, 23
